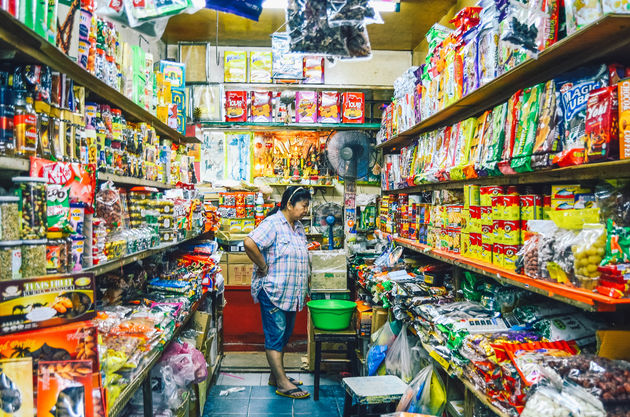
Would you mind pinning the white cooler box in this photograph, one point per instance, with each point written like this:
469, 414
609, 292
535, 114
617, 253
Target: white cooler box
329, 270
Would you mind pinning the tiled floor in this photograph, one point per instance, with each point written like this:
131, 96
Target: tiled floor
259, 399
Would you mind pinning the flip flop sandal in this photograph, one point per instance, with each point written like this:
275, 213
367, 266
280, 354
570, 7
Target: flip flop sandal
291, 380
292, 394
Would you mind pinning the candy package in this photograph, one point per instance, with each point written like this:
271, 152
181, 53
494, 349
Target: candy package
615, 6
487, 52
65, 388
260, 108
494, 148
81, 179
313, 71
547, 131
58, 208
329, 108
236, 106
109, 206
526, 130
601, 124
260, 66
573, 89
617, 244
235, 67
548, 400
306, 107
511, 123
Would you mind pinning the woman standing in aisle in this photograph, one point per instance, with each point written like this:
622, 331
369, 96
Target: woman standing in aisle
277, 247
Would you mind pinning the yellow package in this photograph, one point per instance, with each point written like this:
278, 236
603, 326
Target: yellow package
260, 67
462, 157
235, 67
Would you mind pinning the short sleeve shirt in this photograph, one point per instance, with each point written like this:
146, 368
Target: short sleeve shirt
285, 252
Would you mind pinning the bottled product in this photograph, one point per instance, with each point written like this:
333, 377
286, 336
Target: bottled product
7, 141
9, 218
32, 195
24, 125
43, 129
10, 259
56, 254
33, 258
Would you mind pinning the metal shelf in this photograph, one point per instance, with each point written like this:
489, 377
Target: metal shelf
252, 126
604, 39
120, 179
602, 170
32, 48
277, 184
577, 297
298, 87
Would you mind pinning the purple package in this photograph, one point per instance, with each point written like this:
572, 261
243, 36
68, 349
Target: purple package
469, 57
306, 107
417, 102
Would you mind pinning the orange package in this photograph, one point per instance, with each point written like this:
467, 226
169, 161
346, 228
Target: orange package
65, 388
624, 118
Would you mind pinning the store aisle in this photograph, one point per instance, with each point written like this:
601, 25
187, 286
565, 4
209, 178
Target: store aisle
259, 399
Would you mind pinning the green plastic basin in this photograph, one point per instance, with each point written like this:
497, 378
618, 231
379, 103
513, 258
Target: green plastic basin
331, 314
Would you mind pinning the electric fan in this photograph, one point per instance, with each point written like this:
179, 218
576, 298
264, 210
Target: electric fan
328, 220
348, 154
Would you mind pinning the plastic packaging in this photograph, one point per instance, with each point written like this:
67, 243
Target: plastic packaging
547, 131
109, 206
426, 394
398, 361
33, 258
32, 194
11, 259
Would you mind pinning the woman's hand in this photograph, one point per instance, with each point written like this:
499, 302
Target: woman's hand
262, 272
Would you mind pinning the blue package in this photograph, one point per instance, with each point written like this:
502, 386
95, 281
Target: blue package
249, 9
375, 356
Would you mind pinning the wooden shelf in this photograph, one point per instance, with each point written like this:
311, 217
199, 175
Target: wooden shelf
120, 179
134, 257
251, 126
602, 170
605, 39
29, 47
149, 362
14, 164
577, 297
307, 87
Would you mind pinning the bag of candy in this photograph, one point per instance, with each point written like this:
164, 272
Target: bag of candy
547, 131
526, 131
109, 206
494, 148
511, 123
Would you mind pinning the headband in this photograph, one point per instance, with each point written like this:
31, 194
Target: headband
293, 193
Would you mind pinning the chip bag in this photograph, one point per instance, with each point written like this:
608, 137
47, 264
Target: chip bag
511, 124
493, 149
547, 131
58, 208
524, 143
617, 244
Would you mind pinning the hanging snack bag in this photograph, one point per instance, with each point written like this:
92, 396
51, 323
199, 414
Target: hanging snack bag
493, 149
511, 123
235, 67
260, 67
353, 108
524, 143
306, 107
573, 89
475, 141
313, 70
260, 110
602, 127
329, 109
465, 152
547, 130
236, 106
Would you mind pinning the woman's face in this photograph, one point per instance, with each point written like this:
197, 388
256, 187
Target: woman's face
299, 210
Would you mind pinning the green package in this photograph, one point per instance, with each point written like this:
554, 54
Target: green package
617, 244
41, 17
494, 149
51, 29
58, 208
527, 124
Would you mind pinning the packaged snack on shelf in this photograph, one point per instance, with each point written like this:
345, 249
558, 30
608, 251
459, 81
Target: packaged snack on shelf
511, 123
58, 208
546, 141
109, 206
329, 108
286, 66
573, 89
580, 13
235, 67
260, 67
601, 125
494, 148
65, 387
353, 107
487, 52
306, 107
260, 108
589, 252
236, 106
617, 244
526, 130
313, 71
547, 399
624, 118
17, 384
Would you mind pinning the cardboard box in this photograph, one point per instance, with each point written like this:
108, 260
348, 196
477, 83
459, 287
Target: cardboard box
613, 344
240, 274
238, 258
45, 302
364, 318
175, 72
379, 317
329, 270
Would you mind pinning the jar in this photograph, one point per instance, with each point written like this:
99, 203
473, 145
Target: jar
10, 259
9, 218
7, 140
76, 253
56, 254
33, 258
32, 194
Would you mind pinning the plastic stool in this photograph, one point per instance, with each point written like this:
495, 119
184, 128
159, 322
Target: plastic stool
367, 390
347, 336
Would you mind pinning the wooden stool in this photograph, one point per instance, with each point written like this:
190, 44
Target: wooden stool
367, 390
347, 336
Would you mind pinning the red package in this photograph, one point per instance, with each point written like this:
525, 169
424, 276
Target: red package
80, 178
353, 108
514, 109
616, 72
236, 106
601, 127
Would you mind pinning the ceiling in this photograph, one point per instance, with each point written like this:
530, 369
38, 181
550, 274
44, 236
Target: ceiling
402, 31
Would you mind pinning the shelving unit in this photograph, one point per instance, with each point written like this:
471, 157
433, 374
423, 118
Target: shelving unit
578, 49
271, 126
122, 180
577, 297
307, 87
277, 184
14, 164
29, 47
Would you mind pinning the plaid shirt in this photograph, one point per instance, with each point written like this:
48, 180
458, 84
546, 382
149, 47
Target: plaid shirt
285, 252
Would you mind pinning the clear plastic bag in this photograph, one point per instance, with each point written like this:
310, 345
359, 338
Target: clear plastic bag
188, 364
398, 360
570, 401
351, 12
528, 257
109, 206
426, 394
588, 252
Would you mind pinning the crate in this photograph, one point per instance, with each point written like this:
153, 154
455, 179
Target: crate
325, 295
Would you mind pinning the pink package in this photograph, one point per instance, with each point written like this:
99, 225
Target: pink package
306, 107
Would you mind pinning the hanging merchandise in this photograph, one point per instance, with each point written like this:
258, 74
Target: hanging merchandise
249, 9
426, 394
286, 65
238, 157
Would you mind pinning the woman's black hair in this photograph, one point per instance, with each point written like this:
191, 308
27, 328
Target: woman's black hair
293, 194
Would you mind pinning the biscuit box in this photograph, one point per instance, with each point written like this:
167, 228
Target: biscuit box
45, 302
602, 128
329, 109
353, 108
236, 106
175, 72
306, 107
624, 118
260, 108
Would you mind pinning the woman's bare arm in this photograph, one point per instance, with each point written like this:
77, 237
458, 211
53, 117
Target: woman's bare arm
252, 251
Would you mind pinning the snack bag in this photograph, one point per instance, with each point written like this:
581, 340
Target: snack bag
573, 89
487, 52
287, 66
313, 70
260, 109
329, 109
511, 123
602, 127
470, 76
580, 13
624, 118
235, 67
615, 6
65, 388
58, 208
524, 143
547, 130
588, 254
236, 106
494, 148
486, 138
466, 152
353, 108
306, 107
260, 67
617, 244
